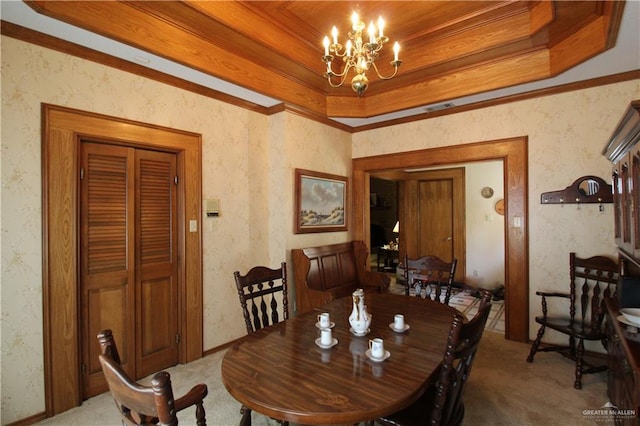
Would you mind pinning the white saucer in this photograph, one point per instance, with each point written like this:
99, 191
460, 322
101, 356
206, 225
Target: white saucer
406, 327
387, 354
623, 320
359, 334
334, 342
331, 325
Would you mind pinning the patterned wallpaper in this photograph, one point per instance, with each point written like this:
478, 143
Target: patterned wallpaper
248, 162
567, 133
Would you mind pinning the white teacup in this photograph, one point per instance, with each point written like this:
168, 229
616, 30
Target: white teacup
325, 337
376, 346
398, 322
324, 320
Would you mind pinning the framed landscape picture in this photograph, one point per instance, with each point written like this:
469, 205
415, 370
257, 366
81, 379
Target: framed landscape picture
321, 202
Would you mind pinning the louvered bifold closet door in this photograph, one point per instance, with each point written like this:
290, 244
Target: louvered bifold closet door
129, 272
107, 263
156, 262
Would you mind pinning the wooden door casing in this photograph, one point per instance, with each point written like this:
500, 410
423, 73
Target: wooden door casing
62, 130
513, 152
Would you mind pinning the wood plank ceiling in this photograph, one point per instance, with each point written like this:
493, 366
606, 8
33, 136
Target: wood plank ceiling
449, 49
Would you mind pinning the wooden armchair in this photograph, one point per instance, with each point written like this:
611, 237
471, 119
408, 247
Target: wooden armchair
591, 281
145, 405
430, 276
442, 402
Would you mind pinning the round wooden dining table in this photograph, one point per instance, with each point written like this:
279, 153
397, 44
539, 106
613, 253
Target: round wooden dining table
280, 372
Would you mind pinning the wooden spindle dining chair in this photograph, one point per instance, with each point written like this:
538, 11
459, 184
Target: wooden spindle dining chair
429, 277
591, 281
146, 405
442, 403
257, 290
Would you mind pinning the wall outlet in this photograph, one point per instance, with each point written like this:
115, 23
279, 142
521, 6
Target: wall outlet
476, 273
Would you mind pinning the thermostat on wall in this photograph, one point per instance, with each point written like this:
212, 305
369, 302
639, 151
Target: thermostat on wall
212, 208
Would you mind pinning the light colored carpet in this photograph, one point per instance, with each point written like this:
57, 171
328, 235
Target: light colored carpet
506, 390
503, 390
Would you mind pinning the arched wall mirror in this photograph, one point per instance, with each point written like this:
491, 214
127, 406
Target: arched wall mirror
587, 189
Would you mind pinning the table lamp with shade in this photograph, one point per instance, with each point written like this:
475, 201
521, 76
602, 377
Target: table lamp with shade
396, 230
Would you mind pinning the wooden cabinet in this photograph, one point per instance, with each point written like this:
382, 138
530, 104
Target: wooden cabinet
623, 150
626, 198
623, 343
623, 380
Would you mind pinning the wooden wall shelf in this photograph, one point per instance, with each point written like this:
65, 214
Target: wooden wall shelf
585, 190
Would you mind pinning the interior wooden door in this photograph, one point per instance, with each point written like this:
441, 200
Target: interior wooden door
432, 216
107, 264
156, 262
435, 228
129, 274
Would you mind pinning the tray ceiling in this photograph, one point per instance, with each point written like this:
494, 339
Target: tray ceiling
450, 49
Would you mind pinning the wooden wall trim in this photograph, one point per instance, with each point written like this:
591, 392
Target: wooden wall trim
569, 87
44, 40
61, 132
24, 34
514, 153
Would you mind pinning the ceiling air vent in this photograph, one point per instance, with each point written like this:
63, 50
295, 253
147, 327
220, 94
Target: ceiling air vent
439, 107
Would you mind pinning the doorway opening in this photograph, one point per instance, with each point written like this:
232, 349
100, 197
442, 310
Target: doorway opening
478, 236
513, 154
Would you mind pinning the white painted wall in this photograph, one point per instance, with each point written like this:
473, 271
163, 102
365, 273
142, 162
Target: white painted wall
484, 226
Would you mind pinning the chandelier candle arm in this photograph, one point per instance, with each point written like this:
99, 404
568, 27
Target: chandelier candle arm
357, 54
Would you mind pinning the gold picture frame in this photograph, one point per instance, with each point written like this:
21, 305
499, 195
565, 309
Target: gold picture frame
320, 202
